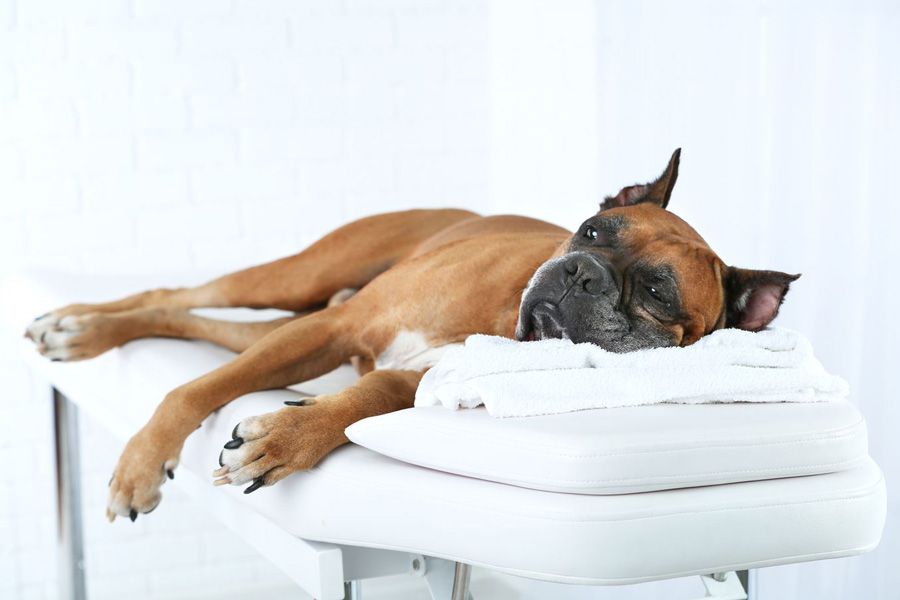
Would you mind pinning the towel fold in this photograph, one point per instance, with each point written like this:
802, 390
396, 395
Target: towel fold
553, 376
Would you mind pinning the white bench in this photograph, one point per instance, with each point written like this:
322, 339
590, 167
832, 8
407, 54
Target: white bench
360, 514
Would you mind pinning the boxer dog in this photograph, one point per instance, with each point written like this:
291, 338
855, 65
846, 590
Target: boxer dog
390, 292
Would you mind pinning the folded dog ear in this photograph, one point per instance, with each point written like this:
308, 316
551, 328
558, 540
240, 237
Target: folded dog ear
754, 297
657, 192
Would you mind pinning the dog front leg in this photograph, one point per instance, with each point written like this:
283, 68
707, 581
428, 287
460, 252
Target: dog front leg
267, 448
295, 352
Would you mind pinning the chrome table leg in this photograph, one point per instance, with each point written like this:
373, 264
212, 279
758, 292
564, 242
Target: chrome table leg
748, 580
70, 542
462, 574
353, 590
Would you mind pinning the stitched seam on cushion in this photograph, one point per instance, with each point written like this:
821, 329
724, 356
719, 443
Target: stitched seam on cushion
706, 477
841, 500
831, 435
855, 496
692, 477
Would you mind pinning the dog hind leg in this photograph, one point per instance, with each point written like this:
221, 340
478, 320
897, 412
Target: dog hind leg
79, 337
348, 257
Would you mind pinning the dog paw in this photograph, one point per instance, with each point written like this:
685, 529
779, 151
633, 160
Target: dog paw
38, 328
265, 449
72, 337
140, 473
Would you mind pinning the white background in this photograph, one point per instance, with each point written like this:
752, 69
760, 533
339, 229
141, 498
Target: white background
141, 135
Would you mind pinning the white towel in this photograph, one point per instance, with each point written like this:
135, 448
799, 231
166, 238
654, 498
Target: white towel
553, 376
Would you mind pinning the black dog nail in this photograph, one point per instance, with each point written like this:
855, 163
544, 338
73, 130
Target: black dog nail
221, 461
41, 317
234, 434
111, 477
132, 515
257, 483
43, 335
55, 359
303, 402
170, 473
235, 443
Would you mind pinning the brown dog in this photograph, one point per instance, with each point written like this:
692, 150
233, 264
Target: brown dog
390, 291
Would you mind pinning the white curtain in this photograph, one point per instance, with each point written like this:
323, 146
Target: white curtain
788, 117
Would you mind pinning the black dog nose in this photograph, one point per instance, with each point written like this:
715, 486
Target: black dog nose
588, 273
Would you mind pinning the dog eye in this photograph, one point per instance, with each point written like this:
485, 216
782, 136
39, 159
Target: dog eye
654, 292
591, 233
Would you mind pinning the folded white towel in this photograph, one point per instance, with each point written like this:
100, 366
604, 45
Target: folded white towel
553, 376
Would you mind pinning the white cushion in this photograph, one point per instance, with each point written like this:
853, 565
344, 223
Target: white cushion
361, 498
624, 450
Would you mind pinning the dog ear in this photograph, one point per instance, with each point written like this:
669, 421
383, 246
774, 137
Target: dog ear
657, 192
754, 297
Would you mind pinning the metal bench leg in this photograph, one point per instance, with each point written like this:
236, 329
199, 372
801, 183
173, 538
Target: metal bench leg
353, 590
447, 580
462, 574
748, 580
70, 542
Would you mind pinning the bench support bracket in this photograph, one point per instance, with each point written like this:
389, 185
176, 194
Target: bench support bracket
728, 585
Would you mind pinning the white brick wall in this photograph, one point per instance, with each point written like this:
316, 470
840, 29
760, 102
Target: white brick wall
146, 135
113, 107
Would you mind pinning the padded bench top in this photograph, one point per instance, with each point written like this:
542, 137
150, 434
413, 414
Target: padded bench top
625, 450
360, 497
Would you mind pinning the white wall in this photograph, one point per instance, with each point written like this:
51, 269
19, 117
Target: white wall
789, 116
544, 127
146, 136
139, 135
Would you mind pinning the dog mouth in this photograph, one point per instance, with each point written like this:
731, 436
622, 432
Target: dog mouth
541, 321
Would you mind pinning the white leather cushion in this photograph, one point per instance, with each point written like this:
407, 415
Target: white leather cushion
624, 450
361, 498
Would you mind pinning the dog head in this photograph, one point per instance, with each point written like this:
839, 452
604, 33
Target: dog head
636, 276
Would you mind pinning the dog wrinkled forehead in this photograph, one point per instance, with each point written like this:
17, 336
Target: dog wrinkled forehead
647, 238
639, 228
647, 232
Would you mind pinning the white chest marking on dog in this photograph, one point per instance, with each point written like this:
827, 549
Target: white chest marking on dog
410, 350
